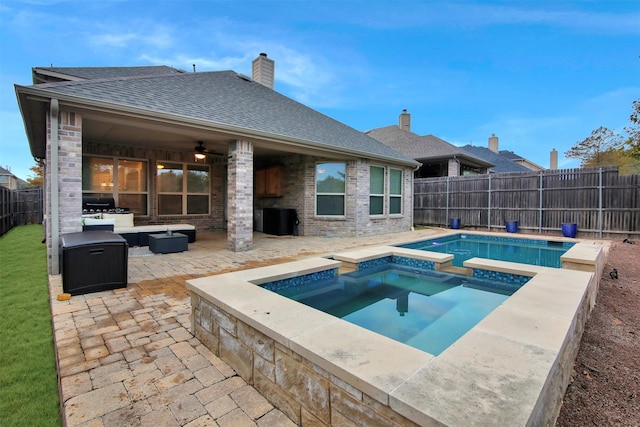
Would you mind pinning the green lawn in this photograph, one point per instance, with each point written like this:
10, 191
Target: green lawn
28, 380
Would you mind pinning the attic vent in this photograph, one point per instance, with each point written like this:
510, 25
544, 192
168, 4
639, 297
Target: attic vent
243, 77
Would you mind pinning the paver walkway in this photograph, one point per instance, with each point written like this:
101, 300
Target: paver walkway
127, 357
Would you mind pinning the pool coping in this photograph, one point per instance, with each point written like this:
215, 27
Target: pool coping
510, 369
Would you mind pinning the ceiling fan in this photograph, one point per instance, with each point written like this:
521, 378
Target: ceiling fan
201, 152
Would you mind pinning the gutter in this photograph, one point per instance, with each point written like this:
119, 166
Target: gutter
54, 195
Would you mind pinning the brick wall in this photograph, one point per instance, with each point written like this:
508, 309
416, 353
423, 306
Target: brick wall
216, 220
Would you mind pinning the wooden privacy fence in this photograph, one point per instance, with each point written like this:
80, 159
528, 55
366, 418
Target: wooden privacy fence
601, 202
20, 207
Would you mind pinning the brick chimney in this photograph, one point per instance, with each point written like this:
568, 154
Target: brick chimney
405, 121
263, 70
493, 143
553, 160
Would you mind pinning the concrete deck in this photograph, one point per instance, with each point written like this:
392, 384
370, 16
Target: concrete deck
127, 357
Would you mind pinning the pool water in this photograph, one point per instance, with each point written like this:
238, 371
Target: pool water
425, 309
545, 253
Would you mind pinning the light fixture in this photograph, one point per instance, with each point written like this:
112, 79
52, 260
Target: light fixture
200, 151
160, 166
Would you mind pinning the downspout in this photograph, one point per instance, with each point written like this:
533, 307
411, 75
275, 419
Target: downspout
54, 196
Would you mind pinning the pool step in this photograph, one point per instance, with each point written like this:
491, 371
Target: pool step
346, 269
457, 270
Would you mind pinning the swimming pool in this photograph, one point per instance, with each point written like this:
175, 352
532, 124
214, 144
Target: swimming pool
545, 253
428, 310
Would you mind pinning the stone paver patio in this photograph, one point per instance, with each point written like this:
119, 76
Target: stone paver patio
127, 357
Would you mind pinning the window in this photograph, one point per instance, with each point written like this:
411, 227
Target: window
124, 180
183, 189
376, 190
395, 191
330, 189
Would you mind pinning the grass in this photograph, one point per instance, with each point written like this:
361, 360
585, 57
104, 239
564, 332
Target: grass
28, 378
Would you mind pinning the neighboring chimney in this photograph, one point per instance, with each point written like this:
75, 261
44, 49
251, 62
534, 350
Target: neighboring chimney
493, 143
553, 160
405, 121
263, 70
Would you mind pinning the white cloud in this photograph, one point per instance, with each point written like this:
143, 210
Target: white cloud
312, 79
474, 15
147, 34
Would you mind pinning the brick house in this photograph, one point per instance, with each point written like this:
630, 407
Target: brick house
9, 180
207, 148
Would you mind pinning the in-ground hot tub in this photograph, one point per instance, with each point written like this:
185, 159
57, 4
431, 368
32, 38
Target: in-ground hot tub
510, 369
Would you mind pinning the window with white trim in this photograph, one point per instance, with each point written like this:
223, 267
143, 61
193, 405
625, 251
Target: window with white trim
183, 189
376, 190
123, 179
330, 189
395, 191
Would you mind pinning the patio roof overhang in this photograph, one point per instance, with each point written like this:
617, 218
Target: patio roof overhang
466, 160
113, 123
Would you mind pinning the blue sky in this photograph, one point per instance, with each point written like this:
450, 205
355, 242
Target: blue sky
539, 74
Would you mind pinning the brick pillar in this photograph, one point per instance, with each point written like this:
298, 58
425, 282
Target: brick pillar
240, 197
454, 167
68, 168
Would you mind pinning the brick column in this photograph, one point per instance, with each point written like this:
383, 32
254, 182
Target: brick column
240, 197
454, 167
68, 175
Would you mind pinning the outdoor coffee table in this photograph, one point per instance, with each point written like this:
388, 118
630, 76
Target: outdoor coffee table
168, 243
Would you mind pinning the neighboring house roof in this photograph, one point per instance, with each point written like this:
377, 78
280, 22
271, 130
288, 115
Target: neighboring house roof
224, 101
502, 163
528, 164
17, 182
421, 148
510, 155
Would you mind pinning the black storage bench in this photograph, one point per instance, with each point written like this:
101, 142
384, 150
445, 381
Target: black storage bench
168, 243
93, 261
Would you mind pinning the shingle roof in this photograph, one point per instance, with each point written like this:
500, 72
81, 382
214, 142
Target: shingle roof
91, 73
502, 163
510, 155
420, 147
227, 99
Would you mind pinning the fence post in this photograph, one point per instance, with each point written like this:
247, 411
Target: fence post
600, 202
489, 205
540, 204
446, 219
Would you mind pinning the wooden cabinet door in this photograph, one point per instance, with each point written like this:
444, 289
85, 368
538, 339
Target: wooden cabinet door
269, 182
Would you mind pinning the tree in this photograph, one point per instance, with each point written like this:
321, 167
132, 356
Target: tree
38, 179
634, 131
590, 150
626, 164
